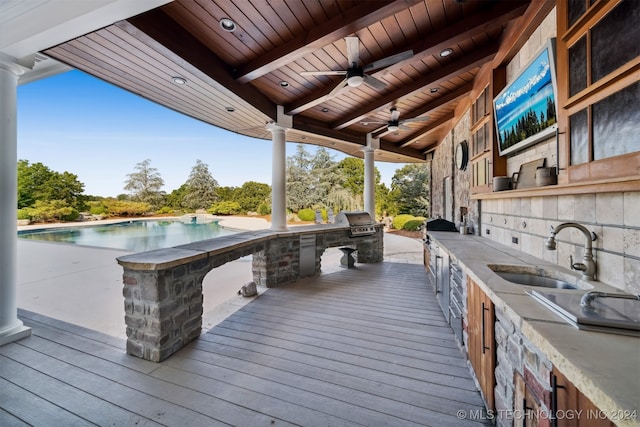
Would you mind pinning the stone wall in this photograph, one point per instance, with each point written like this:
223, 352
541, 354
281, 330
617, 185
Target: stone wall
163, 288
442, 167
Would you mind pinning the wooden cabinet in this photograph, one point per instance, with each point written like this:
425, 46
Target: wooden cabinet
481, 340
571, 407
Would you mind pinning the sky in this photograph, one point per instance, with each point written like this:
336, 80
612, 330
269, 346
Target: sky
73, 122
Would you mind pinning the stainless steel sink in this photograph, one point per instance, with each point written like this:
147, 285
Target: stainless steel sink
532, 276
535, 280
612, 315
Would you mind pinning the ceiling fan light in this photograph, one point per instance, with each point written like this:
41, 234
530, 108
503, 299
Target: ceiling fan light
393, 128
355, 81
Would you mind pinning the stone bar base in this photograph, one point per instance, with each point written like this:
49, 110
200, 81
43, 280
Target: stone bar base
163, 288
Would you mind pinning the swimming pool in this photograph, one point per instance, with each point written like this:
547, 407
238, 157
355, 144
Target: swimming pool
135, 236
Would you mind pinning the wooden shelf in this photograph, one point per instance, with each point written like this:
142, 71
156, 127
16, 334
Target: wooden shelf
602, 186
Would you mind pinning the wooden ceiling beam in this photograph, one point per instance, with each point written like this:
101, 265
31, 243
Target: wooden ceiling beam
409, 152
159, 30
354, 19
434, 125
461, 65
320, 128
454, 95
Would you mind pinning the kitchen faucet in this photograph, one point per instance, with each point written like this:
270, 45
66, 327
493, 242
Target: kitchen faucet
588, 265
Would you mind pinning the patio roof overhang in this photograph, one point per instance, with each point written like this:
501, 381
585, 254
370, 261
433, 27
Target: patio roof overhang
237, 80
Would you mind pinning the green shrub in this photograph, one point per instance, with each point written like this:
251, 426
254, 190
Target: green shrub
23, 214
264, 209
307, 214
413, 225
52, 210
400, 220
126, 208
225, 208
165, 210
97, 209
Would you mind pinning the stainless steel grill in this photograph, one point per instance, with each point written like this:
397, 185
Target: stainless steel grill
360, 223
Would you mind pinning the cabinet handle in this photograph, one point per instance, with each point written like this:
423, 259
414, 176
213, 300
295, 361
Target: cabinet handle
554, 399
484, 338
437, 258
525, 408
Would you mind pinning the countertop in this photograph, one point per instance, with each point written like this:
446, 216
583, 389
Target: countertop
604, 367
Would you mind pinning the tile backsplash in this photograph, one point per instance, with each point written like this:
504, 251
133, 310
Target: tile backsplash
612, 216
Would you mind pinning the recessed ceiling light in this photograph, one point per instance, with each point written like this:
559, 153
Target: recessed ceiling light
227, 25
446, 52
433, 90
325, 110
230, 109
284, 84
179, 80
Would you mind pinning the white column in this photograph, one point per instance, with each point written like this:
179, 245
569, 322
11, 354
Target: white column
369, 178
278, 178
11, 328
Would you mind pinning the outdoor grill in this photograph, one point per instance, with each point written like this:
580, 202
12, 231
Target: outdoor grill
360, 223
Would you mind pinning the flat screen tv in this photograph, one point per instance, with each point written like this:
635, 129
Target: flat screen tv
525, 110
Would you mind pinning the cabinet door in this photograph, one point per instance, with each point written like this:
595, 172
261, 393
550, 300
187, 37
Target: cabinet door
573, 409
481, 318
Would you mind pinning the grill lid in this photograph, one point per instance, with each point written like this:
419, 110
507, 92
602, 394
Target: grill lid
354, 218
360, 223
440, 224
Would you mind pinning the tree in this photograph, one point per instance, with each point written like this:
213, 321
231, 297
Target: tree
325, 177
410, 189
200, 188
299, 179
144, 185
251, 195
36, 182
175, 199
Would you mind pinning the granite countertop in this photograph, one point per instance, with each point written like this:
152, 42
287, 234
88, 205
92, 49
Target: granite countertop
604, 367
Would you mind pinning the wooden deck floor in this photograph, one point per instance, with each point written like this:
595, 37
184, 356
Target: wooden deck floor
367, 346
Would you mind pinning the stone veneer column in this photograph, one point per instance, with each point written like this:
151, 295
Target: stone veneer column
11, 328
278, 178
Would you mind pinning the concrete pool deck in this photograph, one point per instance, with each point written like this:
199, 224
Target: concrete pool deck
83, 285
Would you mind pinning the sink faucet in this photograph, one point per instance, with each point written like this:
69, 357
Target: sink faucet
588, 265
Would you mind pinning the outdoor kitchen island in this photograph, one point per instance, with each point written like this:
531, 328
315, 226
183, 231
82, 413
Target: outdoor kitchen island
163, 288
532, 364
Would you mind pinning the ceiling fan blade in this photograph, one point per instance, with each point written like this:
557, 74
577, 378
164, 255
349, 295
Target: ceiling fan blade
403, 127
336, 89
395, 114
353, 51
389, 60
415, 119
373, 82
323, 73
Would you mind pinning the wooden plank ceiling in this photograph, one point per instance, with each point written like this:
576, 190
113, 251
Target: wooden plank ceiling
235, 80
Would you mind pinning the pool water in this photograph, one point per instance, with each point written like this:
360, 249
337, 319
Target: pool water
135, 236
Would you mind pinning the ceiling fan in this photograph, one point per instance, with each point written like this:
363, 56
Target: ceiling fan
355, 74
394, 124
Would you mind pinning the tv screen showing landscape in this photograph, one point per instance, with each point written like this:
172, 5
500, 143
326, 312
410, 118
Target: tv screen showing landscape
525, 111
